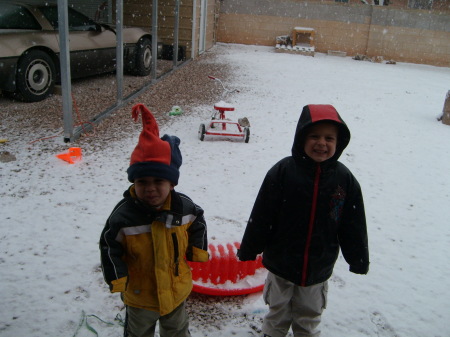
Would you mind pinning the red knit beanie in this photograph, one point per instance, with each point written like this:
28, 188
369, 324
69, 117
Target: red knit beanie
154, 156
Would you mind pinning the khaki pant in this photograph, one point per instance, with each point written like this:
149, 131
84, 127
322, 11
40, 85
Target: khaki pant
142, 323
293, 305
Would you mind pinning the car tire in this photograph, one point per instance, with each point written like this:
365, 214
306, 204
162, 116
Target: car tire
35, 77
143, 57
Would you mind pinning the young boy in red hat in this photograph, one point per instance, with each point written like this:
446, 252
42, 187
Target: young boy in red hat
309, 206
149, 236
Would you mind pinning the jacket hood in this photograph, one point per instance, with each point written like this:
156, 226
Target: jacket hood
317, 113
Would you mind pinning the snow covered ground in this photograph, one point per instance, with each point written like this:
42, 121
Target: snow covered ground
52, 213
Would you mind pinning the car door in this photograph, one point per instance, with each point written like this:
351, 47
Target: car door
92, 47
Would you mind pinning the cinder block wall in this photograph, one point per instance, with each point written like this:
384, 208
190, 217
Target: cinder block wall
404, 35
410, 35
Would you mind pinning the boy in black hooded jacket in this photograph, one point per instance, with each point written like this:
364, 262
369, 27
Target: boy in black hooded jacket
309, 206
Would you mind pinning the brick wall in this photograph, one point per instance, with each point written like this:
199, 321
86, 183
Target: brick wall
404, 35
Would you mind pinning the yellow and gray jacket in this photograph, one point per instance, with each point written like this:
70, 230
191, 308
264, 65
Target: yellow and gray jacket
144, 251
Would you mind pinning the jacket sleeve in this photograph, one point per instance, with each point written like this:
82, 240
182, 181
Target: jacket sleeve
353, 231
262, 218
114, 269
198, 239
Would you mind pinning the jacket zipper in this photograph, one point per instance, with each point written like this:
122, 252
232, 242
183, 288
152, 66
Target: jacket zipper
311, 224
176, 255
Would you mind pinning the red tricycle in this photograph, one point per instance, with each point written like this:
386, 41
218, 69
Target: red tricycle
220, 126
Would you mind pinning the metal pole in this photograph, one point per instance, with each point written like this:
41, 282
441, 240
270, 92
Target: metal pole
175, 34
194, 20
63, 19
119, 50
154, 38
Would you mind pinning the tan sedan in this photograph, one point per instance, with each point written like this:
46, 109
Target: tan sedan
29, 49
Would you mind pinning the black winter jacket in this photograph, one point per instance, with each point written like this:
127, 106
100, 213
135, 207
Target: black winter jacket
305, 211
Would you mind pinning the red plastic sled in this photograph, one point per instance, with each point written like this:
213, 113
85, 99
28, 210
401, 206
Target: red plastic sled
225, 275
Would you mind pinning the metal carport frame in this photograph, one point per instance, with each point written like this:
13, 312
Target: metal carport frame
71, 134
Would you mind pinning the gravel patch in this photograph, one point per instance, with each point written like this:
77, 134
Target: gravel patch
210, 314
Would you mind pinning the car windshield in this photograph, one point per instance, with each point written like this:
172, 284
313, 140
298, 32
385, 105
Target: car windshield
77, 21
17, 17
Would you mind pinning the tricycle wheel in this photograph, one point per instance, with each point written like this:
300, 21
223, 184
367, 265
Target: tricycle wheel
246, 135
201, 132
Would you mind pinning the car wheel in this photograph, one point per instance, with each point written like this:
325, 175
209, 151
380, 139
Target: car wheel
201, 132
246, 134
35, 79
143, 54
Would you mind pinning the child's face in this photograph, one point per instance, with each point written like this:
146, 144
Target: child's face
152, 190
321, 140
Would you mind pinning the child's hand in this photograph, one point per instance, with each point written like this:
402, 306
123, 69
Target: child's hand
245, 257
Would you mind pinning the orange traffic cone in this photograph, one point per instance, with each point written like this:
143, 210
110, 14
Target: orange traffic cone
72, 156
